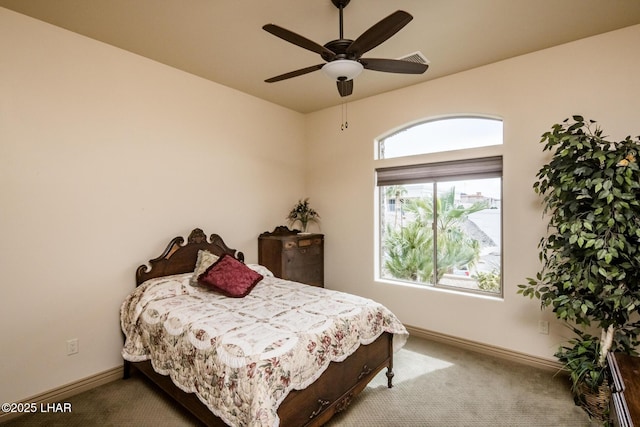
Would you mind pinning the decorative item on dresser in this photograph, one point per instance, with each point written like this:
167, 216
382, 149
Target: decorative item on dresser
625, 389
293, 256
303, 213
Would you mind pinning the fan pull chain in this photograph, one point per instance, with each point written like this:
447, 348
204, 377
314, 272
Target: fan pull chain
345, 122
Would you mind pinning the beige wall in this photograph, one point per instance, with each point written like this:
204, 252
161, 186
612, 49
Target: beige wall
597, 77
104, 156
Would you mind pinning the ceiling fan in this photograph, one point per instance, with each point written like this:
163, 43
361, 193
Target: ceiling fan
344, 56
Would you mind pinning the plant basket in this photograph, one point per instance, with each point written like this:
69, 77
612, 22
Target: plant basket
594, 401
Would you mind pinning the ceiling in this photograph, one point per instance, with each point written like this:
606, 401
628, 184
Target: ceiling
223, 40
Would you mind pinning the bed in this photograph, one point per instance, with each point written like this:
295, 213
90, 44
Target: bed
298, 355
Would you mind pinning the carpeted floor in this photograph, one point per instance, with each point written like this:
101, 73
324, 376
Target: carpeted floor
434, 385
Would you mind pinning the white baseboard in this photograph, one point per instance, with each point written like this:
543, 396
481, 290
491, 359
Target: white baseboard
502, 353
66, 391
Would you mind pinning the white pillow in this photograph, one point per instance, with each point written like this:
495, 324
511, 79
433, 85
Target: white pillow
204, 261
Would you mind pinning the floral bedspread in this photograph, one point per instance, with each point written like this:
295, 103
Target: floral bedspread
242, 356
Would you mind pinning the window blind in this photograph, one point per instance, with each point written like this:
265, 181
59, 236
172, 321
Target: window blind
487, 167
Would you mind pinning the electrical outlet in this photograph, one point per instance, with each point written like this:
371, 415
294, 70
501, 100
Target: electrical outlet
543, 327
72, 346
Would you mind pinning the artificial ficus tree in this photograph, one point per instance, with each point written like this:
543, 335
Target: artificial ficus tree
590, 256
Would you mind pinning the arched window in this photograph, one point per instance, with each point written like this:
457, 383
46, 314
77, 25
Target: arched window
441, 222
434, 136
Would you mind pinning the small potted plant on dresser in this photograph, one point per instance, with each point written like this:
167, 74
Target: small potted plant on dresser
303, 213
591, 254
292, 254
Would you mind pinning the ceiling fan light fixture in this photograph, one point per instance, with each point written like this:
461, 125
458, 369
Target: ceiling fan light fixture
342, 69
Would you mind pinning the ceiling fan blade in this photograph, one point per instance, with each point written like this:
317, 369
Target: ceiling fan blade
379, 33
298, 40
393, 66
295, 73
345, 87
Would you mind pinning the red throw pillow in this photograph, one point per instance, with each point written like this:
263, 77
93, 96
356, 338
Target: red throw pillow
230, 277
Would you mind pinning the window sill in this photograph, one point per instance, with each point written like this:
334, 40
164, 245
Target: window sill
441, 289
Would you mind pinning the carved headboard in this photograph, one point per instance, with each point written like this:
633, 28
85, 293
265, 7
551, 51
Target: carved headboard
178, 258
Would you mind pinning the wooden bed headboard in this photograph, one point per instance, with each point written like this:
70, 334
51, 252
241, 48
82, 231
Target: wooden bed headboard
178, 258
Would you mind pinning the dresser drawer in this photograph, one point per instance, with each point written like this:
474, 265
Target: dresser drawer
298, 257
292, 256
302, 243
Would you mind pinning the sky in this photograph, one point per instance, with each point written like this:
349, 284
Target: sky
443, 135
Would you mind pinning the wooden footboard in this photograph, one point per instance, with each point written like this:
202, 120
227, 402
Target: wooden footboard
338, 385
314, 406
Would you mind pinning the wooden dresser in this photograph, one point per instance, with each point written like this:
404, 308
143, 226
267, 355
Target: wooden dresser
293, 256
625, 389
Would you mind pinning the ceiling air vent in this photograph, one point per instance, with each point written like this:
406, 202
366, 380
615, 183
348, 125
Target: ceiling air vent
415, 57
